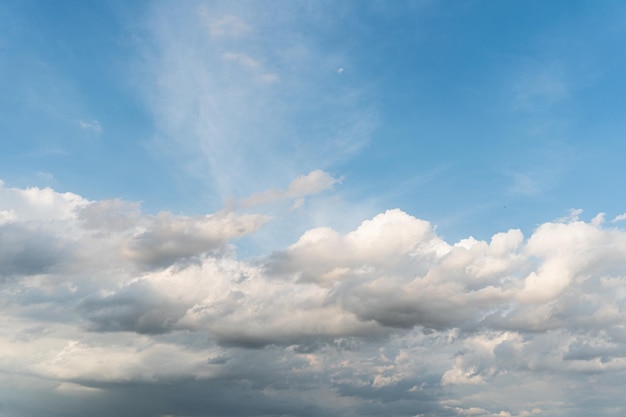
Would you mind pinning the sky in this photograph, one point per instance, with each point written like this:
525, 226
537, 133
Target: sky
312, 208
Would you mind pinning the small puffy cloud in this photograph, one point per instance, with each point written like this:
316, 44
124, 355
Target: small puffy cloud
312, 183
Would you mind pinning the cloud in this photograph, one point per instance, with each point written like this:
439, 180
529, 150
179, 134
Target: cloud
166, 238
38, 223
100, 299
620, 218
28, 251
312, 183
248, 100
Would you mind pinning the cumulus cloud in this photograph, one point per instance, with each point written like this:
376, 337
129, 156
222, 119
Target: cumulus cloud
40, 224
99, 297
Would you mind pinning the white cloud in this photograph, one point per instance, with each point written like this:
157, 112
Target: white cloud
99, 295
620, 218
310, 184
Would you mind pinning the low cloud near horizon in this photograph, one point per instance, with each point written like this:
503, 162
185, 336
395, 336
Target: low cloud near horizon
108, 310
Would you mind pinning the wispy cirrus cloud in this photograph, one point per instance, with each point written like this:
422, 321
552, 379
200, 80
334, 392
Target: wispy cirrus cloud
235, 105
620, 217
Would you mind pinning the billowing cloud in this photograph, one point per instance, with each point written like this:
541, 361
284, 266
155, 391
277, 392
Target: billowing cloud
98, 296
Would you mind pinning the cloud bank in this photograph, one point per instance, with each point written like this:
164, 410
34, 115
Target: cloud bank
152, 315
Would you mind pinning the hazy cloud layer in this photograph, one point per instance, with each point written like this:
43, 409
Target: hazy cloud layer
103, 303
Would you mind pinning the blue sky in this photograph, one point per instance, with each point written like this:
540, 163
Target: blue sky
449, 111
364, 182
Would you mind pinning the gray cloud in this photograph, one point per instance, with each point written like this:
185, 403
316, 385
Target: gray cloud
114, 304
167, 238
134, 309
29, 250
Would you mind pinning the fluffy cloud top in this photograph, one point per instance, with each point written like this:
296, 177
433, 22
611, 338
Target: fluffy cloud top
97, 295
